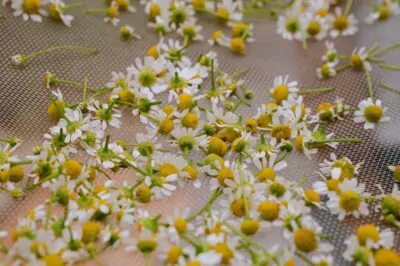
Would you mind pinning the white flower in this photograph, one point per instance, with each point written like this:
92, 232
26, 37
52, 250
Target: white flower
359, 59
314, 27
190, 30
326, 71
371, 113
31, 9
349, 201
59, 8
330, 54
383, 11
342, 25
231, 10
282, 88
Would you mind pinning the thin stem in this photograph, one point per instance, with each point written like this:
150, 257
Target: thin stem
347, 9
385, 86
339, 140
213, 197
281, 157
304, 258
375, 60
85, 88
369, 82
342, 67
212, 75
70, 6
301, 92
386, 49
390, 67
132, 166
74, 83
62, 47
96, 11
50, 177
243, 100
21, 162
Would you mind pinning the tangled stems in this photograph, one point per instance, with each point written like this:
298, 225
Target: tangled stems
213, 197
20, 59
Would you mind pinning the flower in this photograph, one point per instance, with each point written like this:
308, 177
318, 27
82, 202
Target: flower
29, 9
282, 88
330, 54
359, 59
327, 70
289, 24
127, 32
371, 113
56, 12
342, 25
349, 201
383, 11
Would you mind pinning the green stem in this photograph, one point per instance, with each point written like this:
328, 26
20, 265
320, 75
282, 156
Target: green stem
385, 86
347, 9
213, 197
85, 88
189, 240
243, 100
390, 67
281, 157
96, 11
340, 140
369, 82
21, 162
304, 258
99, 92
375, 60
342, 67
65, 8
302, 92
50, 177
74, 83
132, 166
386, 49
62, 47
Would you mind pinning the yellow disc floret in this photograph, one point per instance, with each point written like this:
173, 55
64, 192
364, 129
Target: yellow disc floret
249, 227
72, 168
367, 232
305, 240
349, 201
373, 113
386, 257
268, 210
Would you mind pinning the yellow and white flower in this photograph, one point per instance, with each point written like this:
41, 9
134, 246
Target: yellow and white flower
370, 112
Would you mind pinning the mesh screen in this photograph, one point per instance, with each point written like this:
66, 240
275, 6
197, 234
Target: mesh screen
24, 100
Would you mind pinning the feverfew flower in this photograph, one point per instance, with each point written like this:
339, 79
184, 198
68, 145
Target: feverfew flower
383, 11
56, 12
342, 25
29, 9
371, 113
359, 59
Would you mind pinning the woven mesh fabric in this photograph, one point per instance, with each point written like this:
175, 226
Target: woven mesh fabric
24, 100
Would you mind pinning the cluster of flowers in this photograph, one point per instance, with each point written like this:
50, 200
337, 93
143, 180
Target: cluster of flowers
37, 9
196, 138
304, 20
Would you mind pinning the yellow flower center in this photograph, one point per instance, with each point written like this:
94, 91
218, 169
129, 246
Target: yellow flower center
225, 251
90, 232
147, 77
340, 23
153, 52
251, 125
298, 143
143, 194
238, 29
312, 195
53, 12
280, 93
56, 110
324, 111
384, 12
292, 25
238, 45
322, 12
126, 95
217, 146
367, 231
313, 28
305, 240
168, 109
228, 134
198, 3
191, 171
72, 168
168, 169
249, 227
190, 120
180, 225
166, 126
53, 260
173, 254
216, 35
289, 262
277, 189
346, 167
185, 100
146, 245
266, 173
264, 120
356, 62
223, 14
281, 132
349, 201
224, 174
15, 173
268, 210
387, 257
325, 71
31, 6
154, 10
333, 185
373, 113
123, 4
238, 207
112, 12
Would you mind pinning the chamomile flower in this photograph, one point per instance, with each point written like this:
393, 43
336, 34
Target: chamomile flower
179, 224
188, 138
330, 54
268, 168
383, 11
127, 32
180, 13
289, 24
349, 201
228, 11
57, 12
395, 170
327, 70
160, 25
29, 9
342, 25
370, 112
326, 260
218, 38
314, 27
359, 59
106, 114
190, 31
342, 168
112, 14
125, 5
282, 88
319, 8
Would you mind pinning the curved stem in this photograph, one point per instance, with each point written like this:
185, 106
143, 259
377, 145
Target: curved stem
62, 47
213, 197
